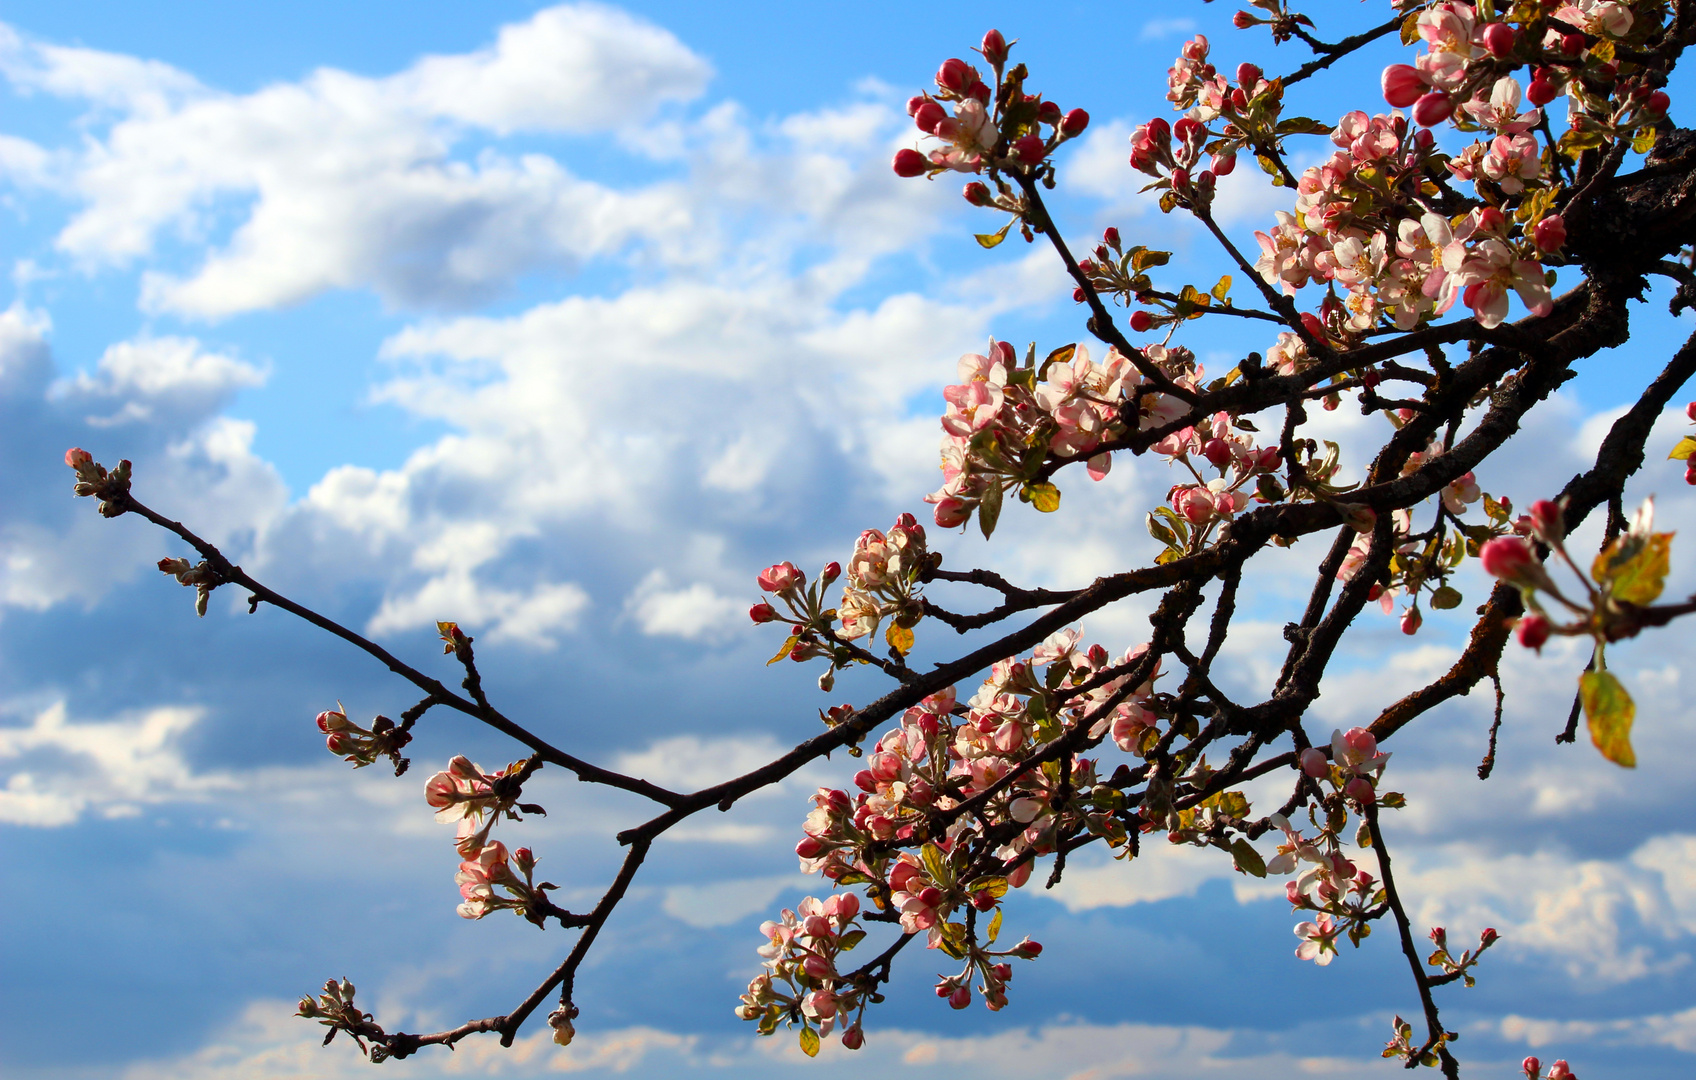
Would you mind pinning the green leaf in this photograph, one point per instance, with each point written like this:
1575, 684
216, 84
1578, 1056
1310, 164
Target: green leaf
1161, 532
1445, 598
787, 646
1045, 497
995, 926
1223, 288
936, 865
1302, 125
1247, 859
810, 1040
989, 510
1608, 710
987, 240
994, 886
900, 638
851, 939
1270, 168
1638, 577
1142, 258
1062, 355
954, 940
1686, 446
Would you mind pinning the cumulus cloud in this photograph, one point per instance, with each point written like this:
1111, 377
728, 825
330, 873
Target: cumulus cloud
56, 770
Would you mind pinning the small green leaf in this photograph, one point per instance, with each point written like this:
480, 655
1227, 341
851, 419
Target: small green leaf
989, 510
1142, 258
787, 646
809, 1042
954, 940
851, 939
1639, 578
1161, 532
1686, 446
1608, 710
987, 240
1247, 859
1445, 598
936, 864
1045, 497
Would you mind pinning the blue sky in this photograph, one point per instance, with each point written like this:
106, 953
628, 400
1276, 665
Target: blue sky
564, 322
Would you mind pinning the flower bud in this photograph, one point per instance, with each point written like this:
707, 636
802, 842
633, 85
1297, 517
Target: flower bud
1439, 936
1572, 44
1560, 1070
1403, 85
961, 997
910, 163
1499, 39
1141, 321
762, 612
1412, 621
929, 115
1048, 112
994, 50
1248, 75
1546, 521
1690, 473
977, 193
1028, 950
1658, 103
1549, 234
854, 1038
1110, 237
1360, 790
914, 104
1074, 122
1224, 164
1508, 558
1542, 88
930, 896
865, 781
1532, 1067
810, 847
1433, 109
1488, 937
1533, 630
1029, 149
77, 458
1314, 763
1242, 20
956, 75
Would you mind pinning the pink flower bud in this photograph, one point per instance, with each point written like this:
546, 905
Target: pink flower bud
1029, 149
76, 457
1110, 237
977, 193
1499, 39
1549, 234
831, 571
983, 899
1659, 103
1242, 20
762, 612
1141, 321
865, 781
810, 847
1572, 44
1488, 937
1360, 790
340, 742
930, 114
960, 998
910, 163
1433, 109
914, 104
1079, 296
781, 578
1048, 112
1412, 621
1224, 164
1508, 558
1439, 936
1690, 472
1532, 1067
1690, 411
956, 75
1248, 75
1403, 85
1546, 521
1533, 630
930, 896
1560, 1070
1020, 874
1029, 950
994, 50
1074, 123
943, 989
854, 1038
331, 720
1218, 451
1315, 764
1542, 89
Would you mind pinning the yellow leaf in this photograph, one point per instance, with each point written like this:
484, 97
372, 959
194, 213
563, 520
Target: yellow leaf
1221, 290
1608, 710
1686, 446
987, 240
1635, 570
900, 638
1045, 497
809, 1042
781, 653
995, 926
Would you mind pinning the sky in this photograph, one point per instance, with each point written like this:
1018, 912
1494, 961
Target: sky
563, 322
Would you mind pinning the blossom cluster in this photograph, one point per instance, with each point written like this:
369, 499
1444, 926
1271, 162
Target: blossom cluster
363, 746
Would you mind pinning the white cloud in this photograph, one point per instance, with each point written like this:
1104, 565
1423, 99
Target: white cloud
57, 770
1155, 29
695, 612
141, 375
533, 616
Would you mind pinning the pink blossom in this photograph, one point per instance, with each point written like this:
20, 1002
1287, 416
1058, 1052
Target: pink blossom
1319, 940
781, 578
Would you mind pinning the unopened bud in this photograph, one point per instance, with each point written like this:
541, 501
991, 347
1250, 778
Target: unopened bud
762, 613
1242, 20
1110, 237
1315, 764
1433, 109
1074, 122
854, 1038
961, 997
994, 50
1499, 39
1532, 1067
1248, 76
1029, 149
977, 193
1141, 321
1533, 630
910, 163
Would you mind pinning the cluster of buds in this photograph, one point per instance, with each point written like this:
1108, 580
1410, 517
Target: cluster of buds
464, 793
802, 984
1560, 1070
884, 577
1402, 1045
994, 971
995, 129
1461, 968
1625, 578
1193, 508
489, 868
111, 488
362, 747
201, 576
334, 1008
